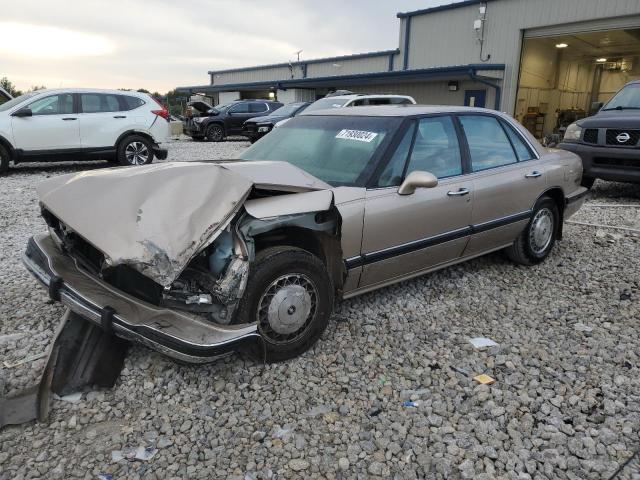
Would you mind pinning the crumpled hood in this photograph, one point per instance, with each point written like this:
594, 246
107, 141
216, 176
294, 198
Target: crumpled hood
155, 218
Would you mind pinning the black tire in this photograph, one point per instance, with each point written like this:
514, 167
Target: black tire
135, 150
587, 182
5, 160
215, 133
253, 140
274, 270
530, 249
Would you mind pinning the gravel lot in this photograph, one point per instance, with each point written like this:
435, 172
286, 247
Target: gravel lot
566, 402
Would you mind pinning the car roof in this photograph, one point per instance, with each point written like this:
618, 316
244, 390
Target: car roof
366, 95
397, 110
91, 90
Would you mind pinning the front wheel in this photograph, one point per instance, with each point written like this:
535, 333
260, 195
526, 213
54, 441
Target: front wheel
536, 241
215, 133
290, 295
135, 150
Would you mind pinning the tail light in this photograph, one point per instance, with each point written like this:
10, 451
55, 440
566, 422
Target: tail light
163, 112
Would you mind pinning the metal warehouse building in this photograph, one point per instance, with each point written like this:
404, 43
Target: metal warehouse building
543, 61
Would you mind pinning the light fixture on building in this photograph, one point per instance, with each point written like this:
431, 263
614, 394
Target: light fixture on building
561, 45
453, 86
601, 60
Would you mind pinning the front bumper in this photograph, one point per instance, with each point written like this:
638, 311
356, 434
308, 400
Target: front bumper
170, 332
574, 201
616, 164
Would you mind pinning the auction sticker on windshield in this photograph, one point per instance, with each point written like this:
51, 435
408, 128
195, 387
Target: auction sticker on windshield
358, 135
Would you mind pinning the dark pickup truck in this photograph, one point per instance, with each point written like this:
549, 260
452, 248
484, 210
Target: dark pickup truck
609, 141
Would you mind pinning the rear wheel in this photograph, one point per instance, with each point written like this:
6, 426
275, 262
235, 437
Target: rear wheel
5, 160
536, 241
215, 133
135, 150
290, 295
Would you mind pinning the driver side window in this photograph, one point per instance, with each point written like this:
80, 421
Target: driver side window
436, 149
53, 105
240, 108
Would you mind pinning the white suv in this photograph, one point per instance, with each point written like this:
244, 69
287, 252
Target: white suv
348, 99
76, 124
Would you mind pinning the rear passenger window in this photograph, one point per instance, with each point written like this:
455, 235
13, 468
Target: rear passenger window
130, 103
99, 102
488, 143
436, 149
523, 152
258, 107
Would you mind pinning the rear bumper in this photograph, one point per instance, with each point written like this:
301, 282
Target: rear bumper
172, 333
616, 164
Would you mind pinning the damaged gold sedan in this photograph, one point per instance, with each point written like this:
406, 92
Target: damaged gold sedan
198, 259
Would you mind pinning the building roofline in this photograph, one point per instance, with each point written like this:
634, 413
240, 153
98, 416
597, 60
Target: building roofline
354, 56
441, 8
294, 82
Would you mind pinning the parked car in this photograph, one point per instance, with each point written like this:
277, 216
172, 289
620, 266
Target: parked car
344, 98
216, 123
203, 258
257, 127
609, 141
74, 124
4, 96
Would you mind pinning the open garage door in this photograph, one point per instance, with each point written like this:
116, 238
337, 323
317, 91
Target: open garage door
563, 76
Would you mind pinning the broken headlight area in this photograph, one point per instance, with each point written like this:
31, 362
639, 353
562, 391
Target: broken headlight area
213, 282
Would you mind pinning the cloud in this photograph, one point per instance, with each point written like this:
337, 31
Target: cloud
161, 44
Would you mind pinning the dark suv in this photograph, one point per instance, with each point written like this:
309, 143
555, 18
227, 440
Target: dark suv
609, 141
218, 122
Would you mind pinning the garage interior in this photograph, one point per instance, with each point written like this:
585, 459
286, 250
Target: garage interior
561, 77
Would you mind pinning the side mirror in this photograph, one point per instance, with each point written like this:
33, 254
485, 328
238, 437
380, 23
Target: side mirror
23, 112
417, 179
595, 107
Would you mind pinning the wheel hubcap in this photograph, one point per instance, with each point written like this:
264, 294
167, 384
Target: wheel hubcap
541, 231
287, 307
136, 153
215, 133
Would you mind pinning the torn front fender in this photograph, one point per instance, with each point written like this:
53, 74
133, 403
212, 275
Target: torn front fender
289, 204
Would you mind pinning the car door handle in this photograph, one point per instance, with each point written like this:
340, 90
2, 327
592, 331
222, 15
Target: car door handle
458, 193
534, 174
69, 118
120, 116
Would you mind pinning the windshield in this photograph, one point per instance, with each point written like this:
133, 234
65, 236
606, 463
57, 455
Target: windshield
338, 150
285, 111
16, 101
325, 103
223, 106
628, 97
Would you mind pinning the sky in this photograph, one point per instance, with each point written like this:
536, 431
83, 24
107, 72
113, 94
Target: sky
162, 44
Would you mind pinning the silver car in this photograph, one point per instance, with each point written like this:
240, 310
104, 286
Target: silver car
197, 259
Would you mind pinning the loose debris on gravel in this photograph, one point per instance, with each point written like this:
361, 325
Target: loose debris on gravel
565, 402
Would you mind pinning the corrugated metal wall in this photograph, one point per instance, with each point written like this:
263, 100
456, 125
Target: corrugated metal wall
256, 75
347, 67
429, 93
447, 37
